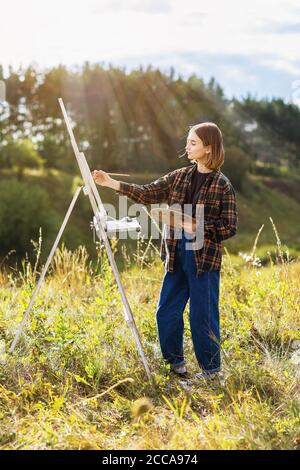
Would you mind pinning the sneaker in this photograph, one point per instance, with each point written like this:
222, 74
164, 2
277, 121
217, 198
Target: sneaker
179, 369
206, 376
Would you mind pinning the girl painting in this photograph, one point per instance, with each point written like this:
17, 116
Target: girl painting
191, 274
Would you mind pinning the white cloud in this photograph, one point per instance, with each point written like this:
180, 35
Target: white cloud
284, 65
115, 30
115, 6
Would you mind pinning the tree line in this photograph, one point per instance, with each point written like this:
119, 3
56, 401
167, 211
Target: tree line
137, 120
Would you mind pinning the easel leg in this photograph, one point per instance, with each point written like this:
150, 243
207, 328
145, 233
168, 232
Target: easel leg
36, 291
127, 310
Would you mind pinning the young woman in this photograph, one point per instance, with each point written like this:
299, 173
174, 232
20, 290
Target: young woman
191, 274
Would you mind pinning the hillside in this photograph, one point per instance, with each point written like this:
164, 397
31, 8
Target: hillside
264, 197
136, 123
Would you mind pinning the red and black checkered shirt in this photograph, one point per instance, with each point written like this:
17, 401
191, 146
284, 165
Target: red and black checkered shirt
220, 211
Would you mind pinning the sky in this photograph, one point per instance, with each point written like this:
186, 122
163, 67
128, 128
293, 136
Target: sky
249, 47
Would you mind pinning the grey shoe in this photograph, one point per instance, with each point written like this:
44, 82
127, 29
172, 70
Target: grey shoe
206, 376
179, 369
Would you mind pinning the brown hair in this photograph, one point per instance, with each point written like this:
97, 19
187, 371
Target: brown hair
211, 135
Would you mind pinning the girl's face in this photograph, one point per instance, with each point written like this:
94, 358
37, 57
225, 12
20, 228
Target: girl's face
195, 148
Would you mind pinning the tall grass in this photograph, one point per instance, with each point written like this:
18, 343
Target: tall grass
75, 380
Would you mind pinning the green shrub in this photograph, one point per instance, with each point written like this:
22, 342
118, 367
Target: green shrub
267, 170
20, 154
24, 208
236, 166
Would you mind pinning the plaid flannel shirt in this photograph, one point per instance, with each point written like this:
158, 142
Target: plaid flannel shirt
220, 211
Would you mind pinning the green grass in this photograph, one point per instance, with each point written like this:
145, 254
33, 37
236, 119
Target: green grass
75, 380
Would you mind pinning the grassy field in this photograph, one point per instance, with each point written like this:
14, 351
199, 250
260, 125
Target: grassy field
75, 380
